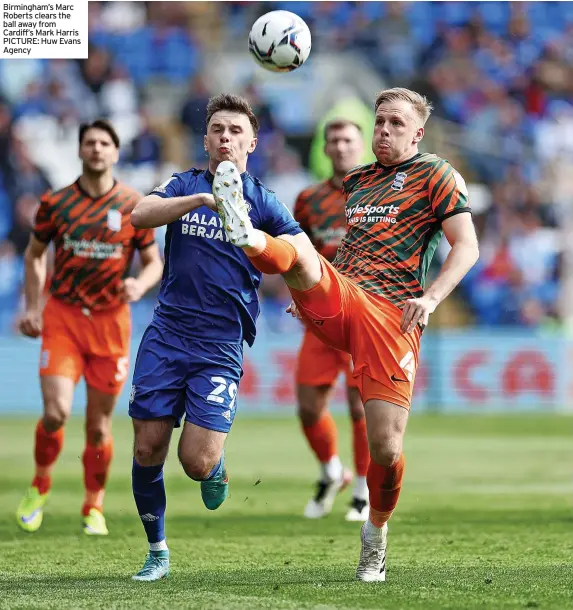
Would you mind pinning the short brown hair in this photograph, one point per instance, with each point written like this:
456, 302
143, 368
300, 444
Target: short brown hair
339, 123
232, 103
102, 124
420, 103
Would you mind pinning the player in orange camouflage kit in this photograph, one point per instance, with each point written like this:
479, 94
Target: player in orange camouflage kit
319, 210
85, 324
373, 301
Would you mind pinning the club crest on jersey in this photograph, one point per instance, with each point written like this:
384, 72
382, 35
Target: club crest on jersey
399, 180
114, 220
162, 188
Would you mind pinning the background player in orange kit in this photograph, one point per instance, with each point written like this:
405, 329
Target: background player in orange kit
319, 210
373, 302
85, 325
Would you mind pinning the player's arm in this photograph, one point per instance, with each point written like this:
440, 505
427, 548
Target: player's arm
133, 288
448, 195
461, 235
155, 211
35, 267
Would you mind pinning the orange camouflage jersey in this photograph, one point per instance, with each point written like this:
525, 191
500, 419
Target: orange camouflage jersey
94, 243
394, 216
319, 210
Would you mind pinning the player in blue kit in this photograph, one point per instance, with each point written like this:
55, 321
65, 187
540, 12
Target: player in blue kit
189, 362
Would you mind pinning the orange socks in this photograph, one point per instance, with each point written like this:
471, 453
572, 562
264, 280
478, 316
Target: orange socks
323, 437
384, 484
360, 445
96, 462
277, 256
47, 447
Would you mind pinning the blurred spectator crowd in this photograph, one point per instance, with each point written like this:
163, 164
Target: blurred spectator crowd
500, 75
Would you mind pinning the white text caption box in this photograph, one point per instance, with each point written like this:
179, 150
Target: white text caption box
37, 30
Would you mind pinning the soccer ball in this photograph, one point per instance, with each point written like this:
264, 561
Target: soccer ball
280, 41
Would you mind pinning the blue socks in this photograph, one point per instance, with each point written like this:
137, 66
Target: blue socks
149, 493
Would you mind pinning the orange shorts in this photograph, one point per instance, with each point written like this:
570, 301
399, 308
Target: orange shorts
367, 326
95, 344
319, 364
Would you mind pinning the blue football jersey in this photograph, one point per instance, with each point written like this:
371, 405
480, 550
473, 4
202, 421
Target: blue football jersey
209, 287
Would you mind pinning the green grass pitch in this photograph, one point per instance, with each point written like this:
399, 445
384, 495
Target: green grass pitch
485, 521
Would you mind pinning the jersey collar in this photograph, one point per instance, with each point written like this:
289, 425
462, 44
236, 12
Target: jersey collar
397, 166
88, 196
209, 176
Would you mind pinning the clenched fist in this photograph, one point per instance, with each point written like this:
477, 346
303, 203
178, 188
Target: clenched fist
31, 324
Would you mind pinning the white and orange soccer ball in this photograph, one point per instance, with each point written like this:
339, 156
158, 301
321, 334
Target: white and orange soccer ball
280, 41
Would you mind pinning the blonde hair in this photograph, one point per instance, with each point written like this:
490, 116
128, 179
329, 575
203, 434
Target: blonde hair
420, 103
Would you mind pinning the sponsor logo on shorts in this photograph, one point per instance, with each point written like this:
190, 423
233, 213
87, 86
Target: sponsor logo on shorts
44, 359
227, 415
132, 394
318, 322
394, 378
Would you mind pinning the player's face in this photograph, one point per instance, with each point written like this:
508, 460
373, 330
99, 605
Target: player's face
97, 151
344, 146
397, 131
230, 137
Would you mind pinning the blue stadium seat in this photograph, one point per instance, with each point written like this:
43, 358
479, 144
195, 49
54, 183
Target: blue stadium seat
452, 13
494, 15
6, 214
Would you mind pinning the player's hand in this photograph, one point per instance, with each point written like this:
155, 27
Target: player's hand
31, 324
417, 310
209, 201
293, 310
130, 290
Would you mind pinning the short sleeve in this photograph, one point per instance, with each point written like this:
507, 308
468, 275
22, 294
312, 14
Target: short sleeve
144, 238
448, 192
352, 178
173, 187
301, 212
44, 229
276, 218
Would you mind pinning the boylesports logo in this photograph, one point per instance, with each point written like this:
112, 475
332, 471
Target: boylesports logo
92, 248
330, 235
372, 213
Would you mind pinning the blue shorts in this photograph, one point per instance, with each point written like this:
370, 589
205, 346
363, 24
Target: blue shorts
176, 376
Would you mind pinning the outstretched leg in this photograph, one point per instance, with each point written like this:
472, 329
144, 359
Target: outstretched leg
297, 262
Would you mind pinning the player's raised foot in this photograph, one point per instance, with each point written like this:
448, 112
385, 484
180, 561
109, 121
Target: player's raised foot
156, 566
215, 491
358, 511
30, 512
232, 209
326, 490
372, 563
94, 523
